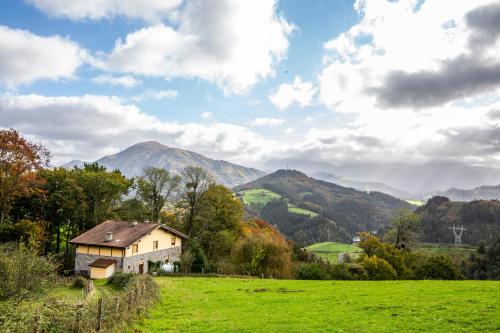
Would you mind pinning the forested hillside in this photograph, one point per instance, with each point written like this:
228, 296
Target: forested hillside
481, 218
341, 212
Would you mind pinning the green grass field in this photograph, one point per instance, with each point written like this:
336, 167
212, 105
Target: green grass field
190, 304
301, 211
258, 196
331, 250
454, 252
416, 202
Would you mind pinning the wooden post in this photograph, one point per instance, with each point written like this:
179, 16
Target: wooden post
99, 314
36, 324
117, 313
129, 299
78, 317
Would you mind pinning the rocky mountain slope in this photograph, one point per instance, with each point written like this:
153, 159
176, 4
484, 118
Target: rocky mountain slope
132, 161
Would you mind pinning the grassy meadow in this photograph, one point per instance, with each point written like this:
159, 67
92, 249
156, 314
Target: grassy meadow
330, 250
260, 197
192, 304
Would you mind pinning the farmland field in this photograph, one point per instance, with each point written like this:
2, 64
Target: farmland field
191, 304
259, 196
331, 250
454, 252
301, 211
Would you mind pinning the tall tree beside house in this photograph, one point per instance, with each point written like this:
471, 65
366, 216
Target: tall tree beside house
218, 223
155, 188
196, 181
19, 161
63, 205
102, 190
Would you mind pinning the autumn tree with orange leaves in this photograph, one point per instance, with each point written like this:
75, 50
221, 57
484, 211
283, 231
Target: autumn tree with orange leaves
19, 161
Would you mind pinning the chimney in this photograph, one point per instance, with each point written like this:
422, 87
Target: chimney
109, 236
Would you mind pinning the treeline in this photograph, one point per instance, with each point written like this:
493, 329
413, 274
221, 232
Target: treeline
381, 261
481, 218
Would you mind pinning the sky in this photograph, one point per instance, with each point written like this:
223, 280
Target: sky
249, 81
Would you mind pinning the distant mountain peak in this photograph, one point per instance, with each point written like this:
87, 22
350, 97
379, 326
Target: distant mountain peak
134, 159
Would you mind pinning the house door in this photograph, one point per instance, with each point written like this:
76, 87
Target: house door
141, 268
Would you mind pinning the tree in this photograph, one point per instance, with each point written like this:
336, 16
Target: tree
23, 273
155, 188
218, 222
19, 159
196, 181
63, 203
378, 268
102, 191
131, 209
438, 267
260, 255
405, 229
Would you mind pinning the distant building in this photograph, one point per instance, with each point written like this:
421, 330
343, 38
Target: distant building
356, 240
125, 246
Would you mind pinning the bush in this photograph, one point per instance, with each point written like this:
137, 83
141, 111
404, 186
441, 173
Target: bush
439, 268
259, 255
313, 271
348, 272
121, 280
378, 268
80, 282
23, 274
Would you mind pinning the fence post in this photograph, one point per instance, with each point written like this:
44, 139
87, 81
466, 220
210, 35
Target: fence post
78, 317
36, 326
129, 296
117, 313
99, 314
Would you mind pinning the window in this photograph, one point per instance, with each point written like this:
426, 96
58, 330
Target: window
155, 245
135, 248
173, 240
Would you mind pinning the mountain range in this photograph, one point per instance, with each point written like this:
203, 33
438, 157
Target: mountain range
132, 161
478, 193
418, 180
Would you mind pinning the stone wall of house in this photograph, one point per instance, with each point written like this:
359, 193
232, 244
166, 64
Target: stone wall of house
131, 264
128, 264
83, 260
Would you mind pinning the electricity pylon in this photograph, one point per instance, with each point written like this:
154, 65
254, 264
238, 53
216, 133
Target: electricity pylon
457, 232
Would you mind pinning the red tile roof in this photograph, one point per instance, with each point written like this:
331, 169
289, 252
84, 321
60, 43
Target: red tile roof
124, 233
103, 263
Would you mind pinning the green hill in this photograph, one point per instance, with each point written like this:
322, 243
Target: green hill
312, 211
331, 250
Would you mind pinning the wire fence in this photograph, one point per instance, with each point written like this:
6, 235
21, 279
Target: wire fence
103, 314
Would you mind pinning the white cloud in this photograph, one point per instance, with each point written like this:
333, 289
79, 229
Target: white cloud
88, 127
25, 57
298, 92
231, 43
156, 95
393, 37
126, 81
206, 115
259, 122
77, 10
308, 119
412, 80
